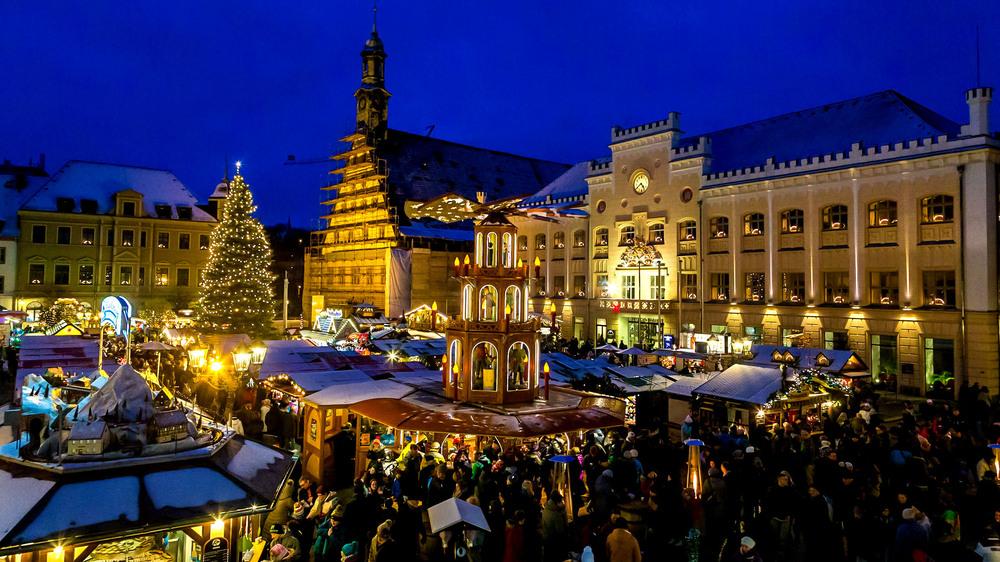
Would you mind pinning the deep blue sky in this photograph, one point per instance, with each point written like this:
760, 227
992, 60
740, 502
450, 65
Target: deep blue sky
183, 84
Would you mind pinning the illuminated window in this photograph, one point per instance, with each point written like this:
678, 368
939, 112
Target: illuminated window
162, 276
753, 283
939, 288
491, 249
511, 301
507, 250
540, 242
601, 237
884, 288
479, 249
579, 238
753, 225
203, 241
559, 240
125, 275
719, 286
688, 230
484, 366
836, 286
163, 240
488, 300
689, 286
108, 272
835, 217
792, 221
559, 284
522, 243
86, 275
793, 287
628, 236
128, 237
142, 276
88, 237
656, 233
455, 362
518, 366
882, 213
939, 208
467, 302
719, 227
628, 287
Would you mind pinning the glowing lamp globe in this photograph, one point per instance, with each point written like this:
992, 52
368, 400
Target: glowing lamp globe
241, 357
197, 354
259, 349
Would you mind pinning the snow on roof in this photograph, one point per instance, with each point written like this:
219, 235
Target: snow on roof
88, 429
311, 381
19, 496
352, 393
837, 359
683, 386
12, 198
873, 120
258, 466
752, 384
190, 487
100, 182
170, 418
82, 504
422, 168
570, 185
125, 388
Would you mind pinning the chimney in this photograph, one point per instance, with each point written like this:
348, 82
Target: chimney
979, 111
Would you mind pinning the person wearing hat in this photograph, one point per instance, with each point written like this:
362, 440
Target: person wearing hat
383, 547
747, 551
280, 534
330, 536
350, 552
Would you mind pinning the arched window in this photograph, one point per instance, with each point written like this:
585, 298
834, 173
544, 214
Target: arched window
488, 299
719, 227
792, 221
882, 213
467, 302
687, 230
753, 224
511, 300
522, 243
655, 233
479, 249
579, 238
518, 366
491, 249
835, 217
539, 241
601, 237
34, 310
484, 366
559, 240
937, 208
455, 364
628, 236
507, 250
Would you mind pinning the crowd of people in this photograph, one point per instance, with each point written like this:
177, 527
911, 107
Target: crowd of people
844, 484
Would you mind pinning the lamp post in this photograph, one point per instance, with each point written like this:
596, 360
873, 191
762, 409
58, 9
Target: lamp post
197, 352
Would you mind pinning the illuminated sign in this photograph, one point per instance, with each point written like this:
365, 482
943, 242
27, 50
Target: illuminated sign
116, 312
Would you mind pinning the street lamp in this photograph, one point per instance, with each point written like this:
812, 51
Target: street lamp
241, 357
259, 349
197, 352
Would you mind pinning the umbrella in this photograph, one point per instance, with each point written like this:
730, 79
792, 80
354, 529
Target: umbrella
158, 347
453, 512
632, 351
606, 347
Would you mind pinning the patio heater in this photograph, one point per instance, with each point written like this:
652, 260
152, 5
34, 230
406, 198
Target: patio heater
996, 458
694, 480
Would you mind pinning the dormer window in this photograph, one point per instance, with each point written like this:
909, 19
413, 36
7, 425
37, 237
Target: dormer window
128, 208
163, 212
184, 213
65, 204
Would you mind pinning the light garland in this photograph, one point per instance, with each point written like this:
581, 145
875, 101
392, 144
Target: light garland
235, 291
805, 380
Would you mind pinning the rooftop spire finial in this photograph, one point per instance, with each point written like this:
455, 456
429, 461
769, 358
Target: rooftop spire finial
374, 18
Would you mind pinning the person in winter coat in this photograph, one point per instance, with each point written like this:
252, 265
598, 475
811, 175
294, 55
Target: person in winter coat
621, 545
350, 552
554, 528
280, 534
747, 551
514, 550
282, 511
910, 536
330, 537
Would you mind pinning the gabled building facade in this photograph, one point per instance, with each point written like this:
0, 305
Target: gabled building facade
96, 229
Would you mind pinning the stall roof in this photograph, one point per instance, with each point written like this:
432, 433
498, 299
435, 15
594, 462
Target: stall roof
313, 381
683, 386
349, 393
843, 361
743, 382
414, 348
76, 507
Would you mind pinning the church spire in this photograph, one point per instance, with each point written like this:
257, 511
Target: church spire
372, 96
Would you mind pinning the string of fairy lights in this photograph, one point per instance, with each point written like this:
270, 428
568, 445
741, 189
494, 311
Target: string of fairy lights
235, 291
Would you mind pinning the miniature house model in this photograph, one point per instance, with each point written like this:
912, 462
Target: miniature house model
493, 346
168, 426
88, 438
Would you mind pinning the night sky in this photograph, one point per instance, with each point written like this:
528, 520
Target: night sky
183, 85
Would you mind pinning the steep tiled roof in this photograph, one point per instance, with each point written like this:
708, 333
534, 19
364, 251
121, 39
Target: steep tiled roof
91, 180
422, 168
877, 119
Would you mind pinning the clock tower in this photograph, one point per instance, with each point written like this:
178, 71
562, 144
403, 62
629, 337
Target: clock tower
372, 96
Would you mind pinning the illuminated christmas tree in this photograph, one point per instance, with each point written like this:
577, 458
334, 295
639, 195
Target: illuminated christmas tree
235, 291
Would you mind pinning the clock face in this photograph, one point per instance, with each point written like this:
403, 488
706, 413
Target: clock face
362, 103
640, 182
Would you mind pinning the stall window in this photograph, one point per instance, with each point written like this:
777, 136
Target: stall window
518, 366
484, 366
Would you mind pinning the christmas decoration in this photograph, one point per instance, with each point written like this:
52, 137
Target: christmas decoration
235, 292
639, 254
806, 382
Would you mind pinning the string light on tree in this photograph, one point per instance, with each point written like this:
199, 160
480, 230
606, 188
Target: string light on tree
235, 291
